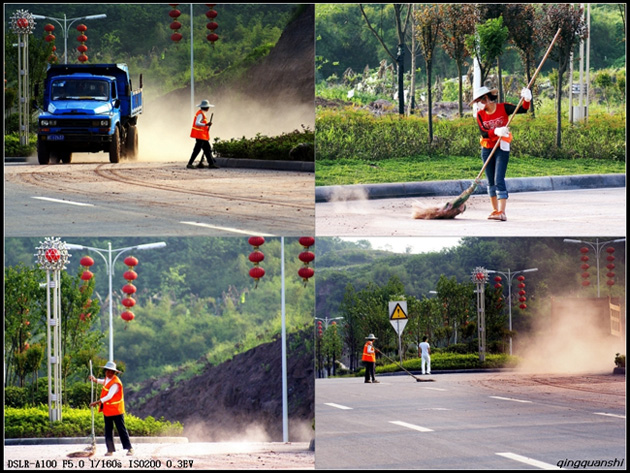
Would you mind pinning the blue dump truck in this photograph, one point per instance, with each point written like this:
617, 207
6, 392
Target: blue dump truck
88, 108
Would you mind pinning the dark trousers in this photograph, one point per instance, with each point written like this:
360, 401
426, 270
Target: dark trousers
369, 370
207, 150
119, 420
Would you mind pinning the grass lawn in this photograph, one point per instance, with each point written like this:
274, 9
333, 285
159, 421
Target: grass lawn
425, 168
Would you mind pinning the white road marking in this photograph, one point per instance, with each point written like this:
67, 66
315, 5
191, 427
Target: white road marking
410, 426
436, 389
510, 399
60, 201
338, 406
227, 229
609, 415
434, 409
529, 461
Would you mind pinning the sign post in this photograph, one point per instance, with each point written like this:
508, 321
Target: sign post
398, 318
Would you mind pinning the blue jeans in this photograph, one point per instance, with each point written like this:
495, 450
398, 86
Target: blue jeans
495, 171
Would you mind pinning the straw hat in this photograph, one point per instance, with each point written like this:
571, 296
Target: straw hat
205, 104
110, 365
481, 91
371, 337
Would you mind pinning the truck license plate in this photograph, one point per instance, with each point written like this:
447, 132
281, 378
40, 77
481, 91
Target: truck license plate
56, 138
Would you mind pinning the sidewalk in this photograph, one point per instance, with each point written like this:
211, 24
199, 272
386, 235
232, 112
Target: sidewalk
454, 188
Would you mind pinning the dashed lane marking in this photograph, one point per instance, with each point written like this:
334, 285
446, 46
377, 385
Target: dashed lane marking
609, 415
529, 461
227, 229
410, 426
60, 201
338, 406
510, 399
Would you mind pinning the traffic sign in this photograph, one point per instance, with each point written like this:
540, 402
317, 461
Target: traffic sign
398, 310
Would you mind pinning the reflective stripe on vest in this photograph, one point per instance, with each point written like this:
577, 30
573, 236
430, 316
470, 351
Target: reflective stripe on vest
368, 352
116, 405
200, 132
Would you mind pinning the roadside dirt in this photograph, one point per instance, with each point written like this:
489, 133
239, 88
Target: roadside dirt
606, 390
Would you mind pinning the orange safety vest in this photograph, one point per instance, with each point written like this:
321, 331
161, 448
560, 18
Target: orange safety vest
200, 132
368, 352
116, 405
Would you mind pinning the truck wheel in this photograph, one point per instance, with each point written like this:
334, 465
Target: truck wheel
43, 153
132, 143
65, 157
114, 147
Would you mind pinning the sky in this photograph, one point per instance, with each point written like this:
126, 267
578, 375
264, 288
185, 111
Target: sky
417, 244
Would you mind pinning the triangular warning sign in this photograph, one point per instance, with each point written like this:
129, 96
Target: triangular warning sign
398, 313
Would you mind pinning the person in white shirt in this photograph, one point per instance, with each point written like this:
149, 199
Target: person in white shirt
424, 351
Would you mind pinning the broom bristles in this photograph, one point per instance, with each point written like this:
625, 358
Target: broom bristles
448, 211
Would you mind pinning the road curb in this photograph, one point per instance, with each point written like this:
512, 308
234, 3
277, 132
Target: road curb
454, 188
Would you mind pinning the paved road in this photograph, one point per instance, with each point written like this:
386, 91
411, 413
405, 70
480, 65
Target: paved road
562, 213
461, 422
158, 198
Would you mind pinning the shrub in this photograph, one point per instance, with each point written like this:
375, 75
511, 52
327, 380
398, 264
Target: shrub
34, 422
294, 146
357, 134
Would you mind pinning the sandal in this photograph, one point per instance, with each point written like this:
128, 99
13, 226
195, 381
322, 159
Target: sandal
496, 215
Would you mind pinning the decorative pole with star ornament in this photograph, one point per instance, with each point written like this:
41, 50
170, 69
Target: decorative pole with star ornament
52, 256
480, 278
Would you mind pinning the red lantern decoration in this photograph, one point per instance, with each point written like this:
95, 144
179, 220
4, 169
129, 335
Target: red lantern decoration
585, 266
610, 274
523, 306
610, 266
584, 250
586, 275
320, 330
86, 261
610, 258
211, 14
520, 278
497, 279
498, 286
131, 261
306, 257
128, 302
86, 275
586, 282
584, 258
129, 289
610, 250
82, 39
610, 282
175, 25
52, 255
256, 257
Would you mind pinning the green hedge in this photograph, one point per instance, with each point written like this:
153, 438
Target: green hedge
357, 134
449, 361
34, 422
294, 146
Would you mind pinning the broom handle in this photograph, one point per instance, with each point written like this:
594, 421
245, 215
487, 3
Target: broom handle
92, 399
529, 86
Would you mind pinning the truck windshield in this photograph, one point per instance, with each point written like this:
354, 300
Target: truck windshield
80, 90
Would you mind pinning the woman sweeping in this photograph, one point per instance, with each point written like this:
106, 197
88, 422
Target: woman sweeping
492, 118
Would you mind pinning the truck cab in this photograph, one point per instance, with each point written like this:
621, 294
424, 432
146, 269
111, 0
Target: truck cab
88, 108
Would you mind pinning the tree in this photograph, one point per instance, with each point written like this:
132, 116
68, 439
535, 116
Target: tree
402, 19
573, 29
521, 23
459, 22
428, 23
488, 44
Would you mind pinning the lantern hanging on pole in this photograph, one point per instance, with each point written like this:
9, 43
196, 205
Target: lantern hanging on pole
50, 38
82, 39
211, 14
610, 258
256, 257
86, 262
129, 289
175, 25
306, 271
584, 267
521, 292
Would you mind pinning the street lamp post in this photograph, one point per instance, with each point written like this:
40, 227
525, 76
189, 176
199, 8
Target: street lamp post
510, 277
327, 320
64, 27
110, 271
597, 247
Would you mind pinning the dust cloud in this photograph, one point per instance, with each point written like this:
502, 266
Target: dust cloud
207, 431
164, 126
575, 339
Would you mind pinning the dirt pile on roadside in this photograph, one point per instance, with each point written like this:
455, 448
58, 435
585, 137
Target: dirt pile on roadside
239, 400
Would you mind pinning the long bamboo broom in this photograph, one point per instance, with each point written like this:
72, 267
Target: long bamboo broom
91, 449
452, 209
